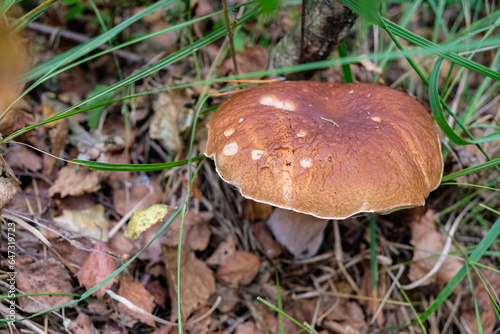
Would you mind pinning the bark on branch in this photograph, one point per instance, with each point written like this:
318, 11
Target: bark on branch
327, 23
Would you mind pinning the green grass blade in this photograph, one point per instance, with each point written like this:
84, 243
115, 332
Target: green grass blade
135, 168
346, 69
271, 306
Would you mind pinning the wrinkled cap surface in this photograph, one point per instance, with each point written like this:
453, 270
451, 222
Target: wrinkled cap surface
328, 150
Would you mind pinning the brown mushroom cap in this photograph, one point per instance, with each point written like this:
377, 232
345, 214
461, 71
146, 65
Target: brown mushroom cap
328, 150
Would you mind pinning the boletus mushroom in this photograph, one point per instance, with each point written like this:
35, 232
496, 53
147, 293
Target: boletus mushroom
326, 150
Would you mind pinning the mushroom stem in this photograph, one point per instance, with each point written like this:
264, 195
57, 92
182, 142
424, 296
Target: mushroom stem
301, 234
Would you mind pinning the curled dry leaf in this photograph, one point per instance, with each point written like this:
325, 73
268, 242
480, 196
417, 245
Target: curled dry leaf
240, 268
75, 181
197, 281
96, 268
140, 297
429, 242
89, 222
9, 184
167, 120
43, 276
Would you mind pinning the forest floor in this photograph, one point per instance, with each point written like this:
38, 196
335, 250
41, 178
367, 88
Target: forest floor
65, 229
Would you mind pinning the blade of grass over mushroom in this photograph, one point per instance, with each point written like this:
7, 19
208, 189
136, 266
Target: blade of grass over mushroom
480, 250
271, 306
133, 167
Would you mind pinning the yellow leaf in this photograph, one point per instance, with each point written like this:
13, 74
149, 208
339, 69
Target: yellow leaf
143, 219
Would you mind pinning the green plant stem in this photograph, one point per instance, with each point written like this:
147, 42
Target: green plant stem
230, 35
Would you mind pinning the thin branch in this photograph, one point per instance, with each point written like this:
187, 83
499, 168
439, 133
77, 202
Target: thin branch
230, 35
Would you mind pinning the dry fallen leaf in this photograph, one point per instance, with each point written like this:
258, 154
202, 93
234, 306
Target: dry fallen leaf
9, 184
347, 317
225, 250
250, 59
43, 276
90, 222
82, 325
126, 199
141, 220
22, 157
197, 281
240, 268
52, 106
429, 242
96, 268
195, 234
140, 297
247, 328
75, 181
166, 123
267, 244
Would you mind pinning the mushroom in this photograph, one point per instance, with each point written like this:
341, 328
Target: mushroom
326, 150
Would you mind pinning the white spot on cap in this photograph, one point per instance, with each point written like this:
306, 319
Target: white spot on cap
306, 162
369, 95
376, 119
228, 132
241, 120
351, 91
256, 154
274, 101
301, 133
230, 149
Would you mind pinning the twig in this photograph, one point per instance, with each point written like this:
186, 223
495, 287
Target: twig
139, 310
386, 297
339, 254
230, 35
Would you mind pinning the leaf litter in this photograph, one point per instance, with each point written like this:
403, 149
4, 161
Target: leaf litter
229, 257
